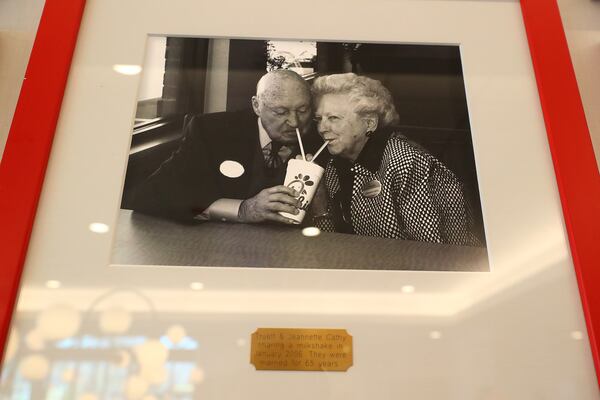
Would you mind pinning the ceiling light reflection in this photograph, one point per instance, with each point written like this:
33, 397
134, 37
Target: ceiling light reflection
115, 321
135, 387
151, 353
53, 284
35, 340
176, 333
155, 374
435, 335
98, 227
196, 285
34, 367
127, 69
407, 289
576, 335
311, 231
68, 375
58, 322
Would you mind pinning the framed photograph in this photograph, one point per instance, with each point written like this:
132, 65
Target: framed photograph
414, 202
418, 175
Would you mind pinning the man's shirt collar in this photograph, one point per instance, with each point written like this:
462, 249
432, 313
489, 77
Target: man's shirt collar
263, 136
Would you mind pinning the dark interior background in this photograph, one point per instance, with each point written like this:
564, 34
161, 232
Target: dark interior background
426, 82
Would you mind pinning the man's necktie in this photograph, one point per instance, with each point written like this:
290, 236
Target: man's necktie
276, 155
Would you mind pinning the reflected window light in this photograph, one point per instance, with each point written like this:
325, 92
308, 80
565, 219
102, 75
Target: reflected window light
231, 169
311, 231
128, 341
68, 343
187, 343
435, 335
407, 289
240, 342
176, 333
92, 342
53, 284
93, 372
34, 367
99, 376
167, 342
98, 227
127, 69
297, 56
88, 396
196, 285
576, 335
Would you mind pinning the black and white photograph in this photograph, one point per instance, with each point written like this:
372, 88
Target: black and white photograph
301, 154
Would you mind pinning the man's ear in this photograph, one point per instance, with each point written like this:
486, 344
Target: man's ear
371, 123
255, 105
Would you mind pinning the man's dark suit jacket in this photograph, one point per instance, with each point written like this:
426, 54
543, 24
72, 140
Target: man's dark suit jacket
190, 180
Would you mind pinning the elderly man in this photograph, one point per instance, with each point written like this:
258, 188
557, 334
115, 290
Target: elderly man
230, 166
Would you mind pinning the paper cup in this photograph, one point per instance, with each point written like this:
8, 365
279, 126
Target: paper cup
304, 177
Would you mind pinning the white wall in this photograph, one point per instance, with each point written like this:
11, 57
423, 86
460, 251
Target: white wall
154, 68
18, 24
19, 19
581, 20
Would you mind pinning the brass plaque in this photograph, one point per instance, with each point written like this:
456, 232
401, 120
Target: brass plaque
286, 349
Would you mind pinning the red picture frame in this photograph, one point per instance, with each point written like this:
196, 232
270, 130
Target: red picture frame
29, 144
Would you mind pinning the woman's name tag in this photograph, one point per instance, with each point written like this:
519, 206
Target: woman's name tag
371, 188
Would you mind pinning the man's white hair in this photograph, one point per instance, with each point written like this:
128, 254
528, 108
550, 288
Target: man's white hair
274, 82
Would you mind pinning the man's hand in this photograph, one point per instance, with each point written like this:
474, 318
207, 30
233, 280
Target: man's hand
309, 157
266, 205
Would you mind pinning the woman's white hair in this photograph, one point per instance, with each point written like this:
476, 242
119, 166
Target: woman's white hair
369, 96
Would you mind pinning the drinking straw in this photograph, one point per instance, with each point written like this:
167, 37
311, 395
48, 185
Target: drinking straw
301, 146
319, 151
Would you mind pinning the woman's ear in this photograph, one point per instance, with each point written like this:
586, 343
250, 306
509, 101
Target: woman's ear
371, 123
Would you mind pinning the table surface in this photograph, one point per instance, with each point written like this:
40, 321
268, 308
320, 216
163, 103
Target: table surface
146, 240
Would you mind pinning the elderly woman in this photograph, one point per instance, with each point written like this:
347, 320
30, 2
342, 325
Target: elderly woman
378, 183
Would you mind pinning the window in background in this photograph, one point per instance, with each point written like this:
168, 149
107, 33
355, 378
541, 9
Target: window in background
151, 86
299, 57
